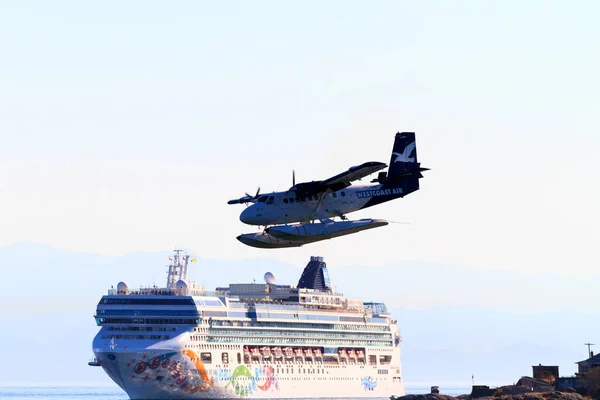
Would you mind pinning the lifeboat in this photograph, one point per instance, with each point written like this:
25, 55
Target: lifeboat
342, 352
298, 352
289, 352
266, 352
277, 351
351, 353
361, 354
246, 350
308, 351
318, 352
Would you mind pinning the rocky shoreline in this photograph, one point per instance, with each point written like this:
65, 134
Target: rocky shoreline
554, 395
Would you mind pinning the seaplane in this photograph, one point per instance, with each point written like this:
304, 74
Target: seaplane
307, 211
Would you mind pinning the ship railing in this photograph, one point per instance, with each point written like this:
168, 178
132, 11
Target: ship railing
206, 293
164, 292
320, 292
244, 304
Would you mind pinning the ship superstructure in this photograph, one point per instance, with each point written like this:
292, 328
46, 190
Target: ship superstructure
247, 340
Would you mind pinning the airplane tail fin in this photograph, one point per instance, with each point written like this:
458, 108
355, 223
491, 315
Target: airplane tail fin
404, 155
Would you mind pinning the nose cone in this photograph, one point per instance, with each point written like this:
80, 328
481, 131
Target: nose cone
248, 216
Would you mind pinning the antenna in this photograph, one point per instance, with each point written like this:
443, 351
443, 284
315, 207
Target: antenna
589, 350
177, 268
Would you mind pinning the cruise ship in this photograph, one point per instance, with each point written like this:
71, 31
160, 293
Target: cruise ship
250, 340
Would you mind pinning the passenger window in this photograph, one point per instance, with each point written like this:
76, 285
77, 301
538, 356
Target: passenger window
343, 194
292, 200
334, 194
239, 358
262, 199
225, 358
206, 358
385, 359
270, 201
285, 201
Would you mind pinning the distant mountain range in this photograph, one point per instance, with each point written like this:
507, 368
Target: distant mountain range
455, 322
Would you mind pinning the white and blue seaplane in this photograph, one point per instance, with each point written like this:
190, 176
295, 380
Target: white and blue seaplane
306, 212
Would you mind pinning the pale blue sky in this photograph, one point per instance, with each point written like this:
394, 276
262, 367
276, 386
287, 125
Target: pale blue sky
126, 126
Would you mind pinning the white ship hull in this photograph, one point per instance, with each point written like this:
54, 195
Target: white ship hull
163, 374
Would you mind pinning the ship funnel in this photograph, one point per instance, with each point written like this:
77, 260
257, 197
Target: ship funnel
315, 275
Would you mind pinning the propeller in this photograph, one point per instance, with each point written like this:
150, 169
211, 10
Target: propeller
293, 177
246, 199
256, 195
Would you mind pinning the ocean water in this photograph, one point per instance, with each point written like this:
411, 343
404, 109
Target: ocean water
115, 393
51, 393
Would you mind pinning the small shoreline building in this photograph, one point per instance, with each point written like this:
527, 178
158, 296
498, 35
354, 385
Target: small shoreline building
587, 365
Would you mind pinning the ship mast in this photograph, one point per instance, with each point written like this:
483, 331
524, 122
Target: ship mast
177, 268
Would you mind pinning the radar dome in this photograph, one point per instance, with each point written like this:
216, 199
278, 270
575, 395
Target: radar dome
122, 287
181, 285
270, 278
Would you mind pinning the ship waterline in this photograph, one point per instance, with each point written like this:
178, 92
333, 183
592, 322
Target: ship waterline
247, 340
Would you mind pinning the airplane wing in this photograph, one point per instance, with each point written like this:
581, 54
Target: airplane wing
354, 173
338, 181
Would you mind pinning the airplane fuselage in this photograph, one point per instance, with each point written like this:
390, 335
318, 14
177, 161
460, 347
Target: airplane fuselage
285, 207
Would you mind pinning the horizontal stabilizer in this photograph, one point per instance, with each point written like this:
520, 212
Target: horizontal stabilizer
417, 170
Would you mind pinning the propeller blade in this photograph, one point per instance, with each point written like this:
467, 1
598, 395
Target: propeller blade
293, 178
246, 199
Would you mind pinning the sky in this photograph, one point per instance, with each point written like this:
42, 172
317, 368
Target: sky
126, 127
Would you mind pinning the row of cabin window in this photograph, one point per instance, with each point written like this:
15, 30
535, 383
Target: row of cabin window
206, 357
303, 199
139, 337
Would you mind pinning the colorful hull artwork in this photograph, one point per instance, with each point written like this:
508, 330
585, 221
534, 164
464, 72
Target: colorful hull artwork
182, 375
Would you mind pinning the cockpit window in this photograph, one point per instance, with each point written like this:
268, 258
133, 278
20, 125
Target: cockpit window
270, 201
262, 199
